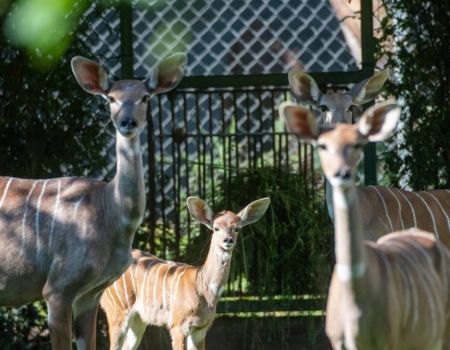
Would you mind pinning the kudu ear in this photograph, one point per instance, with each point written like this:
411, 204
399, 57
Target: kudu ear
253, 212
91, 76
303, 86
200, 211
369, 88
379, 121
167, 75
299, 120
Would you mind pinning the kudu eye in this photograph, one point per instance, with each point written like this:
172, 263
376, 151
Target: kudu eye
111, 99
216, 229
145, 99
322, 146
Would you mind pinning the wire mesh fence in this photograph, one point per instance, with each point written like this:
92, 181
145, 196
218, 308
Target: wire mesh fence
198, 138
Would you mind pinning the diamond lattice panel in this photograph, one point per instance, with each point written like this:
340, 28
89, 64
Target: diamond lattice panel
225, 37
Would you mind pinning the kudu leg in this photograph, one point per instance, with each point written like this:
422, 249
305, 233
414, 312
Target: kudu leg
178, 339
60, 321
85, 320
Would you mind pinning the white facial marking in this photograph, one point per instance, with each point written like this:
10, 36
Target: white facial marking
5, 191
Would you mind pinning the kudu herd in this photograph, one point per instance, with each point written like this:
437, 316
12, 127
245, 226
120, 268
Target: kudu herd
68, 240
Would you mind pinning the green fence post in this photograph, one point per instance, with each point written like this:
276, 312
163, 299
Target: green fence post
368, 63
126, 40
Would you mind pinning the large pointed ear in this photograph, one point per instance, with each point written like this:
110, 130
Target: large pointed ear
167, 75
379, 121
304, 87
200, 211
369, 88
299, 120
91, 76
253, 212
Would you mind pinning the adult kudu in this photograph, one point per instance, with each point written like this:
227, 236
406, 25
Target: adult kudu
66, 239
383, 209
390, 294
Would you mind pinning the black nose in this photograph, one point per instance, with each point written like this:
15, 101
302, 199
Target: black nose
228, 240
128, 123
344, 174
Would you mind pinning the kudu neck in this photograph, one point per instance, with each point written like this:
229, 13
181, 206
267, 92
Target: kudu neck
349, 248
213, 274
128, 183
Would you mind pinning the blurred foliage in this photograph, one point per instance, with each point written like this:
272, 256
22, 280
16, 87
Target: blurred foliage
48, 126
415, 40
289, 251
24, 328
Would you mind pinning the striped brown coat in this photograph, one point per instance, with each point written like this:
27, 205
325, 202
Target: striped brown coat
180, 297
67, 239
392, 294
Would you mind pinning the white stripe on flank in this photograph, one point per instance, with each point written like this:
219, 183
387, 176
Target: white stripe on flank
38, 209
176, 291
110, 298
178, 281
385, 207
5, 192
164, 287
125, 290
411, 206
440, 206
24, 217
133, 279
399, 207
55, 211
75, 208
145, 288
431, 214
174, 277
156, 284
118, 294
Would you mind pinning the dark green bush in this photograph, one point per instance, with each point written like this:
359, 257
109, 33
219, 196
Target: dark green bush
420, 34
289, 251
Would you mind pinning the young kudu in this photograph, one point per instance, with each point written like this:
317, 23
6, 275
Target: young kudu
67, 239
181, 297
383, 209
392, 294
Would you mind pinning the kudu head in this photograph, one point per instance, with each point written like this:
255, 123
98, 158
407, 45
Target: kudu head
226, 224
335, 107
128, 99
341, 146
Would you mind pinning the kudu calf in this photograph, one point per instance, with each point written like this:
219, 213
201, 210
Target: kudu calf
181, 297
383, 209
392, 294
67, 239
